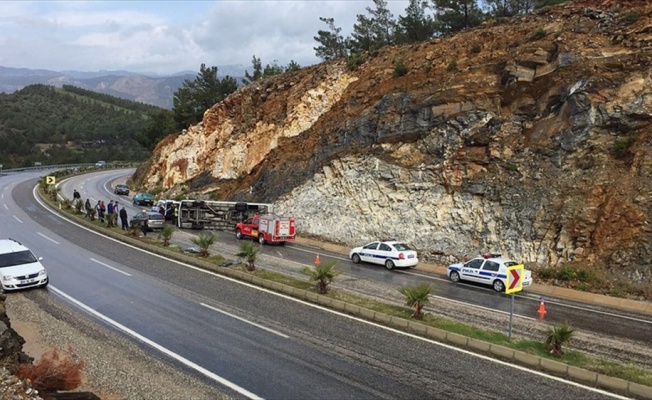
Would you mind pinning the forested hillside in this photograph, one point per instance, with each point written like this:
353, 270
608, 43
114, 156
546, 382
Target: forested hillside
69, 125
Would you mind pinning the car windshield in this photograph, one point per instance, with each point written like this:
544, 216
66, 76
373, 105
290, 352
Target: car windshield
510, 263
401, 246
17, 258
156, 216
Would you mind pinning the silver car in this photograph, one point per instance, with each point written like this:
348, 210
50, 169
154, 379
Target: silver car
154, 220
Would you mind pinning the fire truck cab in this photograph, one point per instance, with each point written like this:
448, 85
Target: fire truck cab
267, 228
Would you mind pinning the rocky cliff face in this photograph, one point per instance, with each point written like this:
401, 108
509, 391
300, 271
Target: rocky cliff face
11, 344
529, 137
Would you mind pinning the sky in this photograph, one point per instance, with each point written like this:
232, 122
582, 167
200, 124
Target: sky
167, 37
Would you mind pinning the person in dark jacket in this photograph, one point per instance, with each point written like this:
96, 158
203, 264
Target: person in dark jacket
88, 208
123, 219
144, 227
76, 195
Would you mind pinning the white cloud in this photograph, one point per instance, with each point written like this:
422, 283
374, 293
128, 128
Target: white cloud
167, 36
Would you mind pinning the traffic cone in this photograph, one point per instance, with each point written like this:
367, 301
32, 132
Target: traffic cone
542, 309
317, 262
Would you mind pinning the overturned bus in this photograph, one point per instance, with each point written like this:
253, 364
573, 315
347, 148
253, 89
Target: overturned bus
217, 215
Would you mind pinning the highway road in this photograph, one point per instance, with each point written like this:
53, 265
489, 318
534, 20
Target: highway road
252, 342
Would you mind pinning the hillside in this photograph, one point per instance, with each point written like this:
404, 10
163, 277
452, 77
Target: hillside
70, 125
529, 136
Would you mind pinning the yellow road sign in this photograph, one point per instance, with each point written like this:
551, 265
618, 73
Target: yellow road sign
51, 180
515, 278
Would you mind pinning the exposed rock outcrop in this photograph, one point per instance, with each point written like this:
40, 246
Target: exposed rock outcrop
529, 137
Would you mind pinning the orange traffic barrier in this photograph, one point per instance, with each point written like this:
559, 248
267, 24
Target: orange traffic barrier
542, 309
317, 262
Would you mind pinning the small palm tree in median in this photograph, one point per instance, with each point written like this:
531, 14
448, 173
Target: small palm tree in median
204, 242
249, 252
322, 274
79, 205
166, 234
559, 336
417, 297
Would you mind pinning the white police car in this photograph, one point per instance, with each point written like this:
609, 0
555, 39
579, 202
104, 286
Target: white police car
389, 253
489, 269
19, 268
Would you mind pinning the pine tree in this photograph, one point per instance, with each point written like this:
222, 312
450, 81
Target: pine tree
456, 15
416, 26
331, 42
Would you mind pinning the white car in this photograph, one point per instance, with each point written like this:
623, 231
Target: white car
490, 269
389, 253
19, 268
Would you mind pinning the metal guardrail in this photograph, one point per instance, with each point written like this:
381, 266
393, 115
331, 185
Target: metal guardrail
61, 166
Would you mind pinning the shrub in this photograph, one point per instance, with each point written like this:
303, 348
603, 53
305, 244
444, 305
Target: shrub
54, 371
539, 34
630, 18
417, 297
566, 273
354, 61
249, 252
79, 206
452, 65
400, 68
477, 48
66, 204
166, 234
204, 242
622, 145
584, 275
322, 274
557, 337
547, 273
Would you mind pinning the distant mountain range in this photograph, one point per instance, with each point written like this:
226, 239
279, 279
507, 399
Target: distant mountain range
146, 88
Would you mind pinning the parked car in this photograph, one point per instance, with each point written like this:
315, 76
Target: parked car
154, 220
390, 253
19, 268
121, 189
489, 269
100, 163
143, 199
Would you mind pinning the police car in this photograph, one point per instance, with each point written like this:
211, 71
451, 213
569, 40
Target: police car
390, 253
19, 268
489, 269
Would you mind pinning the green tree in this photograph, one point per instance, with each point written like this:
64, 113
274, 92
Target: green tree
456, 15
197, 96
272, 69
416, 26
383, 26
331, 42
166, 235
509, 8
417, 297
292, 66
362, 36
204, 242
322, 274
161, 125
557, 337
257, 66
249, 253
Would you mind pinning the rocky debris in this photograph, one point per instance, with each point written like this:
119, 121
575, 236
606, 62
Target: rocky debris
12, 388
529, 137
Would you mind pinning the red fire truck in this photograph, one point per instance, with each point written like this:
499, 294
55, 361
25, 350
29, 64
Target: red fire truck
267, 228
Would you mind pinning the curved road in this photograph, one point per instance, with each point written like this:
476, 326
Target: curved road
251, 341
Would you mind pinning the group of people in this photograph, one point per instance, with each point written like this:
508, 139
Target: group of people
109, 212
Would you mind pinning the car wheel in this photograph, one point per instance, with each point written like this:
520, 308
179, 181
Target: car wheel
389, 264
281, 243
238, 234
355, 258
499, 286
261, 239
455, 276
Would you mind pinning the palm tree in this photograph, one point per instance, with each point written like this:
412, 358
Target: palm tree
322, 274
249, 252
417, 297
79, 205
53, 191
557, 337
166, 234
204, 241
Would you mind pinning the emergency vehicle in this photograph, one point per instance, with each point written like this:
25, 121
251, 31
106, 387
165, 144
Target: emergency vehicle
268, 228
488, 269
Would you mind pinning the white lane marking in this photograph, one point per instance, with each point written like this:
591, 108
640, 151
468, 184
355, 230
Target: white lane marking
246, 321
434, 278
157, 346
480, 307
600, 312
45, 237
108, 266
249, 285
6, 208
18, 219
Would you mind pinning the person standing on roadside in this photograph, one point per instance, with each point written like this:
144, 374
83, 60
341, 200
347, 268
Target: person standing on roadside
109, 214
144, 227
123, 218
75, 195
88, 208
